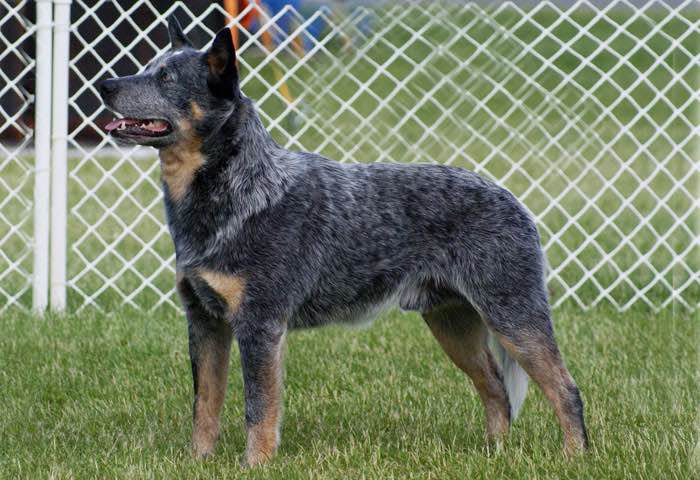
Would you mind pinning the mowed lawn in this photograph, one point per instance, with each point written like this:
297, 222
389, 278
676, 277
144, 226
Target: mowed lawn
109, 396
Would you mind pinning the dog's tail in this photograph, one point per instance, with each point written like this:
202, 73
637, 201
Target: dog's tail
514, 377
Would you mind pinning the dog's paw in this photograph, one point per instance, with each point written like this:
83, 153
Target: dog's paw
202, 452
574, 448
254, 459
204, 439
201, 455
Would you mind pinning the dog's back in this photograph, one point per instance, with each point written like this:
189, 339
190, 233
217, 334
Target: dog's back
358, 237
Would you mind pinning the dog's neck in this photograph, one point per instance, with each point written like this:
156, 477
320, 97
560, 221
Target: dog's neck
224, 135
239, 139
246, 164
242, 172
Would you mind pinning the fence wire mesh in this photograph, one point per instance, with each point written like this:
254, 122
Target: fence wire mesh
17, 66
588, 113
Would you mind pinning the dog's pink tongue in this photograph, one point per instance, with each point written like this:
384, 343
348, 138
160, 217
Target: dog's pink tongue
119, 122
113, 125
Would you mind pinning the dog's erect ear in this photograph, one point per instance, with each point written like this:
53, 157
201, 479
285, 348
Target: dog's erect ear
221, 61
178, 39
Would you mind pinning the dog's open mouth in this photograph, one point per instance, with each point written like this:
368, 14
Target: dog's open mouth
138, 127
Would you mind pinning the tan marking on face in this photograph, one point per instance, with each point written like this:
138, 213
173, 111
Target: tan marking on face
212, 372
229, 287
263, 437
179, 162
197, 112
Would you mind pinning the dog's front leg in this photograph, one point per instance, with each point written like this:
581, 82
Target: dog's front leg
209, 344
261, 360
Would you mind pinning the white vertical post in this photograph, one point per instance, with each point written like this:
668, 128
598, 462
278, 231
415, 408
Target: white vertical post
42, 157
59, 153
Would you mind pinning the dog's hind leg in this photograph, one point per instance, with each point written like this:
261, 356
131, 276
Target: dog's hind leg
209, 344
461, 333
524, 328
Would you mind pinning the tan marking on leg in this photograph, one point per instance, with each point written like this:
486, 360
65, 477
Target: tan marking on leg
547, 369
196, 110
212, 372
464, 341
493, 395
179, 162
263, 437
229, 287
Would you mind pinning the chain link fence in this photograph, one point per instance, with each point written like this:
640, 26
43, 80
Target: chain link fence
17, 68
588, 113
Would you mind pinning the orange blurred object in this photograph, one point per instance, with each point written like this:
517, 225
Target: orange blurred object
233, 7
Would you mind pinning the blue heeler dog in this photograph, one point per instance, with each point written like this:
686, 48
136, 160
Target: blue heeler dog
269, 240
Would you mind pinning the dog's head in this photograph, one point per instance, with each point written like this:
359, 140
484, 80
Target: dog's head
182, 93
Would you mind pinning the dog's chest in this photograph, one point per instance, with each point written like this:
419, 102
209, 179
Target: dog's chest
220, 293
178, 167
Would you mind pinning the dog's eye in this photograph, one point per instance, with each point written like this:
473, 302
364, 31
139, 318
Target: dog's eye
163, 76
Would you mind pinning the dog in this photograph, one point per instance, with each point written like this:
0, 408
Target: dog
269, 240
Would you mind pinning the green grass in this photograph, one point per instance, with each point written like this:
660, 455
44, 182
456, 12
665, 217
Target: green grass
109, 396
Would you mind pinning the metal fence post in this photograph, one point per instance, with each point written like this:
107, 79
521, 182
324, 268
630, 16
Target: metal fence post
42, 160
59, 153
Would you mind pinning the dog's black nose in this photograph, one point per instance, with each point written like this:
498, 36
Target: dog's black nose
108, 87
